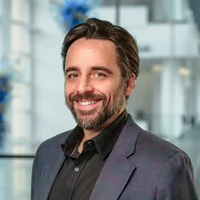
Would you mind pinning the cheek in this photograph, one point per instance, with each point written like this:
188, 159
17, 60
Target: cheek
105, 89
111, 91
67, 95
108, 85
69, 89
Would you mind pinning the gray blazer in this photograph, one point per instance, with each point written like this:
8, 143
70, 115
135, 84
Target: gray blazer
141, 166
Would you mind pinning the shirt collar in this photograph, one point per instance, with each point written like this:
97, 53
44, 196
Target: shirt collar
72, 141
104, 142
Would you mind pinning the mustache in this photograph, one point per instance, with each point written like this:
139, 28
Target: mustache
86, 96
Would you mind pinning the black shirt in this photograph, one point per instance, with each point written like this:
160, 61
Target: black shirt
79, 172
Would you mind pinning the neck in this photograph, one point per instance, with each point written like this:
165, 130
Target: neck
88, 134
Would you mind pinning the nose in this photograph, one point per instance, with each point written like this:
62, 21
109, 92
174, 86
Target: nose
84, 85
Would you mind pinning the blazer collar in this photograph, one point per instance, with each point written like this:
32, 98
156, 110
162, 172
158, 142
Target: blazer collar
126, 142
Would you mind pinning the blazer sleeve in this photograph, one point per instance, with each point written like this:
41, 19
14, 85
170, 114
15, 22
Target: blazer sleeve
177, 180
35, 173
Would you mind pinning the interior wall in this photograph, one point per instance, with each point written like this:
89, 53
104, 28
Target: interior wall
142, 94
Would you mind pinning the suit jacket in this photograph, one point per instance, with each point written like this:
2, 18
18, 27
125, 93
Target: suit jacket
141, 166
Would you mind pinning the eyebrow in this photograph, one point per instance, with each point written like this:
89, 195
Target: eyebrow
98, 68
102, 68
71, 69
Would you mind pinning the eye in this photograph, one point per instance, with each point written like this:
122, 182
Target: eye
72, 76
99, 75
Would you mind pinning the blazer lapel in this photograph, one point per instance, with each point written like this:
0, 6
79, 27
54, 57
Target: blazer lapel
49, 174
53, 175
117, 169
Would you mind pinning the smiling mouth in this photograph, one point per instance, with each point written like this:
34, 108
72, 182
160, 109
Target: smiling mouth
87, 103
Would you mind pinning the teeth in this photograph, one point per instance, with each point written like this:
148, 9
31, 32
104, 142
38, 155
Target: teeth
87, 103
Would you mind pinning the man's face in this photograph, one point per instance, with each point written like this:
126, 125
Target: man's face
94, 88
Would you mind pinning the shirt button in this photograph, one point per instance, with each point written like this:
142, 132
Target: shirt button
76, 169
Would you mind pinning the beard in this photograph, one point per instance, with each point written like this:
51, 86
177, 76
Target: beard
95, 118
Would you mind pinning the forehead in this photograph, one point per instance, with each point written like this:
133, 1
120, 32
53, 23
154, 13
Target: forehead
91, 51
92, 43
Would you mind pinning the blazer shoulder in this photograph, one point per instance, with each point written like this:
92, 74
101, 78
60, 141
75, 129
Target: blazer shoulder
59, 138
53, 142
153, 147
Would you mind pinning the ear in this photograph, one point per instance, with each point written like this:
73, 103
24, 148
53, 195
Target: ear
130, 85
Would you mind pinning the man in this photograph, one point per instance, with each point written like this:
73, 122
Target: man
107, 156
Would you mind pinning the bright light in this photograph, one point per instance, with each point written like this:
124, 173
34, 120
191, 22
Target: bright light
157, 68
184, 71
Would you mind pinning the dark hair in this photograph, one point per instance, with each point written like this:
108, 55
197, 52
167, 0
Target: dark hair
126, 46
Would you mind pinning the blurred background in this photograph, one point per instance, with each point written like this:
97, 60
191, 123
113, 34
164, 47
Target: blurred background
166, 100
